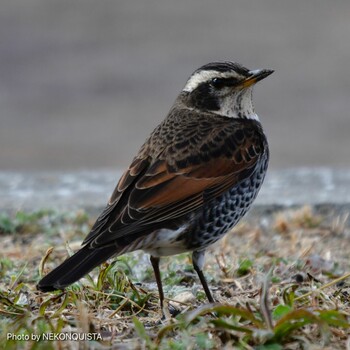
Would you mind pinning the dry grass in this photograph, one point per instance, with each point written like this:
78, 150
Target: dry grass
279, 280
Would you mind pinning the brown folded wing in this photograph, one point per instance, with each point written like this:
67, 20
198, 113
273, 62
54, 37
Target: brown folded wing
152, 193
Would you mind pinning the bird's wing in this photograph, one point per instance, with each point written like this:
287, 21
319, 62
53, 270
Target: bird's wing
154, 192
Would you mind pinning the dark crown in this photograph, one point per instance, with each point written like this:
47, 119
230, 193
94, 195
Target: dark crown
224, 67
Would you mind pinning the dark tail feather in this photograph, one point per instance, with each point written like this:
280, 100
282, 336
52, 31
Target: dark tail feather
75, 267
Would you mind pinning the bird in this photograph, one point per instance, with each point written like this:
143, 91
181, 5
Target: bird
193, 179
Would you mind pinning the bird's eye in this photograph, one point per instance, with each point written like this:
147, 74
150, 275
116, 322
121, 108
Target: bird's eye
217, 83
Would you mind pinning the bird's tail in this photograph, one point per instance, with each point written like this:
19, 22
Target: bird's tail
75, 267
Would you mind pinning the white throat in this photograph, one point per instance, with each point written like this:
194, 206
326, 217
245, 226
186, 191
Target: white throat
238, 105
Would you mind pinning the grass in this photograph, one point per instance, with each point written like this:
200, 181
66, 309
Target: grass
279, 279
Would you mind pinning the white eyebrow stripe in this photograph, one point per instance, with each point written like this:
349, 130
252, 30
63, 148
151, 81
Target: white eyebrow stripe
200, 77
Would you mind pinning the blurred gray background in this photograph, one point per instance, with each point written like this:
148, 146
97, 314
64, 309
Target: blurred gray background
83, 82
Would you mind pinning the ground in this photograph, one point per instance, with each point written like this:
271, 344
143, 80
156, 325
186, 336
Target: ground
279, 279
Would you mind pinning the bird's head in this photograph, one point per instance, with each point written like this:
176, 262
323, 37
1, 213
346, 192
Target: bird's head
223, 88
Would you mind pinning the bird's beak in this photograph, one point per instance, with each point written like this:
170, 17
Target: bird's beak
255, 76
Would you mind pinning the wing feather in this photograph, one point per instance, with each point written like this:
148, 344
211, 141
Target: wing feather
155, 191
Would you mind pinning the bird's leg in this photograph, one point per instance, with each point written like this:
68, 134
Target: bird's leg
155, 265
198, 262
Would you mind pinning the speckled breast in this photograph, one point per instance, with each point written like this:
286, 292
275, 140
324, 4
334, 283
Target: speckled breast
220, 215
